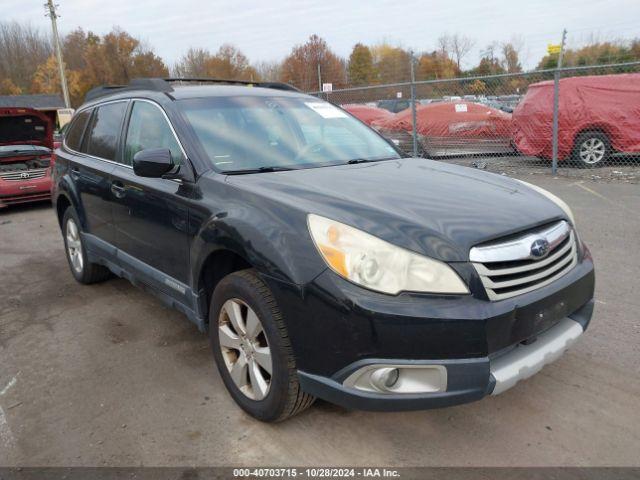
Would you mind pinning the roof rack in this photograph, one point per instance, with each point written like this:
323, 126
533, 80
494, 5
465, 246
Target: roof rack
164, 85
276, 85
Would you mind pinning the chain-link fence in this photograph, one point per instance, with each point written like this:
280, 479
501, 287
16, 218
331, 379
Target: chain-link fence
576, 121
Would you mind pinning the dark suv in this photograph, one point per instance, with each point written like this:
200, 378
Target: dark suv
321, 262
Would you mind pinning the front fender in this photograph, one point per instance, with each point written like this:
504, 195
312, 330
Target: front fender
275, 245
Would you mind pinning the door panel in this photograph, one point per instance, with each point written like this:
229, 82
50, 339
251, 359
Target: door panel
151, 222
92, 178
150, 215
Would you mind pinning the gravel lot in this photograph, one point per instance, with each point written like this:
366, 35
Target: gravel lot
106, 375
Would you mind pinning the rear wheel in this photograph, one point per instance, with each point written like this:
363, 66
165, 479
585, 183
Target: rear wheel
591, 149
83, 270
252, 349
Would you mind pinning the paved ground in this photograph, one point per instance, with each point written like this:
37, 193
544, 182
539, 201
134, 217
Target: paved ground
619, 169
105, 375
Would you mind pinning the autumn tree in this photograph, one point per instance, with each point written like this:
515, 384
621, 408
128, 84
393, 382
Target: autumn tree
511, 58
490, 62
231, 63
46, 79
193, 64
113, 59
7, 87
595, 53
228, 63
360, 67
436, 65
392, 63
300, 67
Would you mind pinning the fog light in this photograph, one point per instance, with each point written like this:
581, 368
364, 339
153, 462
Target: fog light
384, 378
393, 379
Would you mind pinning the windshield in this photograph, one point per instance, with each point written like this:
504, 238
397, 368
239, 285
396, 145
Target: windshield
241, 134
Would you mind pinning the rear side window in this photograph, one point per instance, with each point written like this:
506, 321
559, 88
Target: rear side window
104, 129
148, 128
73, 136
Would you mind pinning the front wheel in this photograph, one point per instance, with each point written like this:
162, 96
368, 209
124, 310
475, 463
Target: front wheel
83, 270
591, 149
252, 349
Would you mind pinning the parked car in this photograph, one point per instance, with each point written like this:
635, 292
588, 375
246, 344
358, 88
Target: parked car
395, 105
26, 141
451, 128
366, 113
598, 116
320, 260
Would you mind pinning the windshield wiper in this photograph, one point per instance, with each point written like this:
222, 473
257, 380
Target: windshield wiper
355, 161
274, 168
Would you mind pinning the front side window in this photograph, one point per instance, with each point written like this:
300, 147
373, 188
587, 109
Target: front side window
73, 137
104, 129
247, 133
148, 128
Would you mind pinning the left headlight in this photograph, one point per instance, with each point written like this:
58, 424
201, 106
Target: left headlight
378, 265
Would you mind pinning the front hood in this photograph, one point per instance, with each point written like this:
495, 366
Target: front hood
25, 126
434, 208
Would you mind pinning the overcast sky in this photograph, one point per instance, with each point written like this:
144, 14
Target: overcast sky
266, 30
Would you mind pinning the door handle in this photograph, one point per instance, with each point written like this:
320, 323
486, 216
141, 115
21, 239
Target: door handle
118, 189
75, 173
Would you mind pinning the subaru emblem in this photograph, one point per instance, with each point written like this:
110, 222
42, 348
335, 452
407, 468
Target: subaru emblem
539, 248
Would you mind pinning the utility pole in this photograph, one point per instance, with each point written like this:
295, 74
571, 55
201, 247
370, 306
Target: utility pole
414, 129
556, 103
51, 13
319, 79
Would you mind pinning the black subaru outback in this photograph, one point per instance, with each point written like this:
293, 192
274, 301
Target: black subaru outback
321, 262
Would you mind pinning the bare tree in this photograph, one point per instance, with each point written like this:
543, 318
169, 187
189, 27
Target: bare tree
444, 45
460, 46
193, 64
269, 71
511, 55
22, 49
455, 47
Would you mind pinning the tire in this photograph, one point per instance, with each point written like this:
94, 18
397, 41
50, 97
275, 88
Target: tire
241, 356
591, 149
81, 269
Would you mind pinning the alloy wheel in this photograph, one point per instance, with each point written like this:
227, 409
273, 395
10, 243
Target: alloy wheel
592, 150
74, 246
245, 349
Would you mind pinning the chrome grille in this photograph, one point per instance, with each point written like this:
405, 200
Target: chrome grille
509, 268
22, 175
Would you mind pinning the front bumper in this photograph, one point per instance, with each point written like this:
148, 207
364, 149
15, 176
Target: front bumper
337, 328
32, 190
467, 379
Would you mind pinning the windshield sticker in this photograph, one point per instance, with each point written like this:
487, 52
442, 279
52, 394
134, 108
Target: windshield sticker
461, 107
326, 110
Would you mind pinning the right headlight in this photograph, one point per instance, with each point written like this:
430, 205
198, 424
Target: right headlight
378, 265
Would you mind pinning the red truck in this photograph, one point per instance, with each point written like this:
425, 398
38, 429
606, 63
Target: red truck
26, 156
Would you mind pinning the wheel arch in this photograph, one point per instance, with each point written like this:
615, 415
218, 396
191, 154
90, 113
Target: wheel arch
62, 203
602, 128
216, 265
65, 196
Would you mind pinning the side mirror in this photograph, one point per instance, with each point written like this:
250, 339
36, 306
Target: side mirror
152, 162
